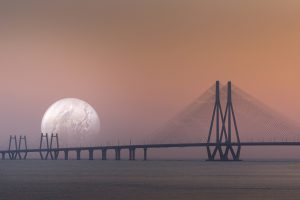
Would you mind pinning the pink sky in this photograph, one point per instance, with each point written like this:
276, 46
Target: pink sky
138, 64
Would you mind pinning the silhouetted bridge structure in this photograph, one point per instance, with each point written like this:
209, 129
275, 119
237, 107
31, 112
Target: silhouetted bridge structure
53, 153
223, 142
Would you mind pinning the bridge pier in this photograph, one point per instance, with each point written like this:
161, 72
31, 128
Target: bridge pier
13, 155
118, 153
132, 154
41, 155
44, 155
231, 153
66, 154
104, 154
3, 155
145, 153
24, 157
13, 147
91, 154
78, 151
22, 140
55, 156
44, 137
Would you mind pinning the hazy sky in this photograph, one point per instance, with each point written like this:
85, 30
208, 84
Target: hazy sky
139, 62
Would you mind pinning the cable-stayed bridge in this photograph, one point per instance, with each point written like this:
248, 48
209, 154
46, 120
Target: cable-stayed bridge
222, 121
255, 120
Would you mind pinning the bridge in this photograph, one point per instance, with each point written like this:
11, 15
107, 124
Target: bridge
223, 141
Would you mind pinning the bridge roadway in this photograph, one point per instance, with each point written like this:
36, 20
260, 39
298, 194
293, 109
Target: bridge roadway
15, 154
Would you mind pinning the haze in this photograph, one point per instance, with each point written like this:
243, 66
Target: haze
139, 63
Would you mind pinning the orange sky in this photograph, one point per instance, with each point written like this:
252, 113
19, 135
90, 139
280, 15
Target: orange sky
138, 63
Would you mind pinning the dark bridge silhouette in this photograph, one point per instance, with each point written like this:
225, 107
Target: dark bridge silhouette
223, 141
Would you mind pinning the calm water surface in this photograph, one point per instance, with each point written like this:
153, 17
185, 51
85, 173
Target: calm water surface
153, 180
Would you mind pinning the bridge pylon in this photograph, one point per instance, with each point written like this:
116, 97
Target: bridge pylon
22, 146
219, 141
13, 147
54, 145
46, 146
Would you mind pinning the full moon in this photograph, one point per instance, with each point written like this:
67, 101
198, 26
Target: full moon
75, 121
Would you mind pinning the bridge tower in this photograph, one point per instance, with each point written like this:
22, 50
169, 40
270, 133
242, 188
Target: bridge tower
45, 146
214, 149
221, 124
22, 146
230, 120
54, 145
13, 147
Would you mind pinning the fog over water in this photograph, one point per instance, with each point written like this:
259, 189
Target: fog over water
178, 180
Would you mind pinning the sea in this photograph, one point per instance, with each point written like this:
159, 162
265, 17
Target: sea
149, 180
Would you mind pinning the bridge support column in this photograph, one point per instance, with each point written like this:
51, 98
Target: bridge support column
91, 154
44, 154
231, 153
104, 154
22, 146
132, 154
66, 154
78, 154
13, 147
145, 153
3, 156
118, 153
24, 157
217, 121
56, 153
13, 155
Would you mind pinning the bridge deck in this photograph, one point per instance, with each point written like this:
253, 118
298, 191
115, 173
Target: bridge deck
149, 146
